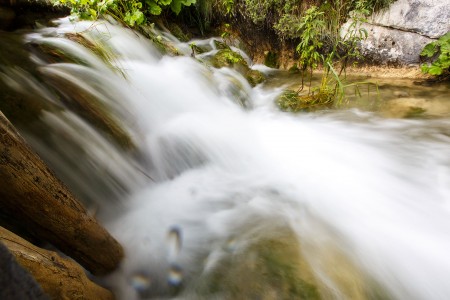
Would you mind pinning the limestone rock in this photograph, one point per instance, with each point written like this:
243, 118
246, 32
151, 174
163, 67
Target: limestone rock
430, 18
391, 46
398, 34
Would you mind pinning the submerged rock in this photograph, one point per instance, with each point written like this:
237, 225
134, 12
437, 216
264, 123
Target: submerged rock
255, 77
230, 59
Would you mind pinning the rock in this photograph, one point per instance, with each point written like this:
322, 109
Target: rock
391, 46
412, 107
28, 12
398, 34
230, 59
271, 59
221, 45
430, 18
60, 278
32, 198
255, 77
7, 15
292, 101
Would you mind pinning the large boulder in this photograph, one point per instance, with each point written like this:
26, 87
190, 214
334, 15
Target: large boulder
398, 34
430, 18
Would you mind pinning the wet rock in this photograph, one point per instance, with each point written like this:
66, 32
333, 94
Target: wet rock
230, 59
255, 77
405, 108
221, 45
177, 32
26, 13
7, 16
271, 59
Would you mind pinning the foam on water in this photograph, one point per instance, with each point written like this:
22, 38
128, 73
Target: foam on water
224, 177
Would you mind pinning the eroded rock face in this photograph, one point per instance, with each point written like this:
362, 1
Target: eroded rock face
391, 46
430, 18
397, 35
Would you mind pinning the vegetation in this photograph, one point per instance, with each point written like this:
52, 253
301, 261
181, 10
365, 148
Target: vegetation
132, 12
439, 52
313, 25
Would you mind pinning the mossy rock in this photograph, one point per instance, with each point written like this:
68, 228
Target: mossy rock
272, 268
158, 42
230, 59
177, 32
255, 77
271, 60
197, 49
292, 101
221, 45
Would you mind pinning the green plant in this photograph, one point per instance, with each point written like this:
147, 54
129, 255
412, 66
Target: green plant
440, 51
131, 12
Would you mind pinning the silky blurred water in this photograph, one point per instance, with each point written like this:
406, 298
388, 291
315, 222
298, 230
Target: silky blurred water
215, 169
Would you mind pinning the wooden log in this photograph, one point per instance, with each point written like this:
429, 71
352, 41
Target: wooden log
35, 199
59, 278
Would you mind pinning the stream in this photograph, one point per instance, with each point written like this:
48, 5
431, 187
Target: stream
217, 194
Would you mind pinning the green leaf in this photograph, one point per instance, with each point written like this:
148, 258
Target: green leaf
429, 50
93, 13
155, 9
435, 70
176, 6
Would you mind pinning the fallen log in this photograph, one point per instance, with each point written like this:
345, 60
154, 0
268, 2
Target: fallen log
15, 281
59, 278
33, 198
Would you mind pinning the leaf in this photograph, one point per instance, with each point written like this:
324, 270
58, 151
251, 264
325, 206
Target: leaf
164, 2
435, 70
429, 50
188, 2
176, 6
93, 13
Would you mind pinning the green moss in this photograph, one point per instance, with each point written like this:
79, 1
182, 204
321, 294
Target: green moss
196, 49
221, 45
178, 32
272, 268
255, 77
271, 60
230, 59
293, 102
158, 42
414, 112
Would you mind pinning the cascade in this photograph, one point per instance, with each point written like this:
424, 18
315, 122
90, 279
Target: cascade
224, 198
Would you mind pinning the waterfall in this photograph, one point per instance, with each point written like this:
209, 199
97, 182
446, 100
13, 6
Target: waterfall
356, 206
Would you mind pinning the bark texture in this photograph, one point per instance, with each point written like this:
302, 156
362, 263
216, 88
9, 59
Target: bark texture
33, 198
59, 278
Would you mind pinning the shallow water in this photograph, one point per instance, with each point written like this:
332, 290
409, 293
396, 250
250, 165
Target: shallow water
215, 200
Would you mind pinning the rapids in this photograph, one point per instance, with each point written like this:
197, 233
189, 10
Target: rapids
363, 201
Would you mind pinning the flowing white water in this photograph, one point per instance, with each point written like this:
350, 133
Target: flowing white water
223, 178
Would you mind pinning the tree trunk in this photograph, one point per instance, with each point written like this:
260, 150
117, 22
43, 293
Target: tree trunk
36, 200
59, 278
